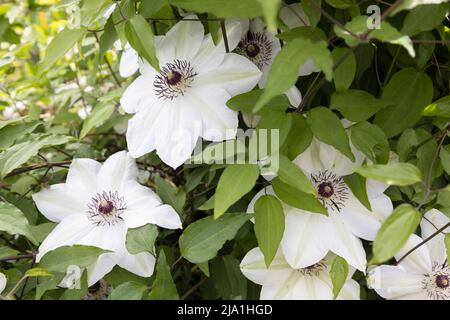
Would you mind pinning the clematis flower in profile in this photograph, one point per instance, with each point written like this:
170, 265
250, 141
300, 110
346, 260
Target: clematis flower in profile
308, 236
129, 61
2, 282
282, 282
96, 206
293, 16
261, 47
422, 275
187, 98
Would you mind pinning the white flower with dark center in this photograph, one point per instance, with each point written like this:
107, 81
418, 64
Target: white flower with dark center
2, 282
129, 61
293, 16
187, 98
422, 275
96, 206
261, 47
309, 236
282, 282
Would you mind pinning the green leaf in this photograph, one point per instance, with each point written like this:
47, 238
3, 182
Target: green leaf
246, 101
228, 278
447, 245
91, 10
341, 4
338, 274
77, 294
299, 138
417, 91
141, 38
444, 156
297, 199
242, 177
327, 127
291, 174
223, 8
394, 233
411, 4
141, 239
399, 174
269, 226
270, 9
108, 37
16, 131
163, 287
345, 73
96, 118
202, 239
312, 10
284, 71
62, 43
424, 18
170, 195
439, 108
128, 291
38, 272
371, 140
59, 259
385, 32
356, 105
18, 154
357, 185
13, 221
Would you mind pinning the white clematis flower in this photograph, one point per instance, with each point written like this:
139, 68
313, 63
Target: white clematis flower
293, 16
308, 237
96, 206
187, 98
261, 47
282, 282
129, 61
422, 275
2, 282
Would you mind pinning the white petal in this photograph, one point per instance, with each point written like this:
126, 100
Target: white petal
177, 131
312, 288
139, 95
164, 216
419, 260
185, 38
254, 268
218, 121
56, 202
2, 282
283, 290
350, 291
306, 237
421, 295
393, 282
294, 16
294, 95
116, 171
107, 237
362, 222
67, 233
128, 63
104, 264
375, 188
142, 129
236, 74
434, 220
82, 176
141, 264
346, 245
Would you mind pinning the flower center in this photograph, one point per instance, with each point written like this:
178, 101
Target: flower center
252, 50
442, 281
437, 282
313, 270
174, 79
257, 47
331, 189
105, 208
